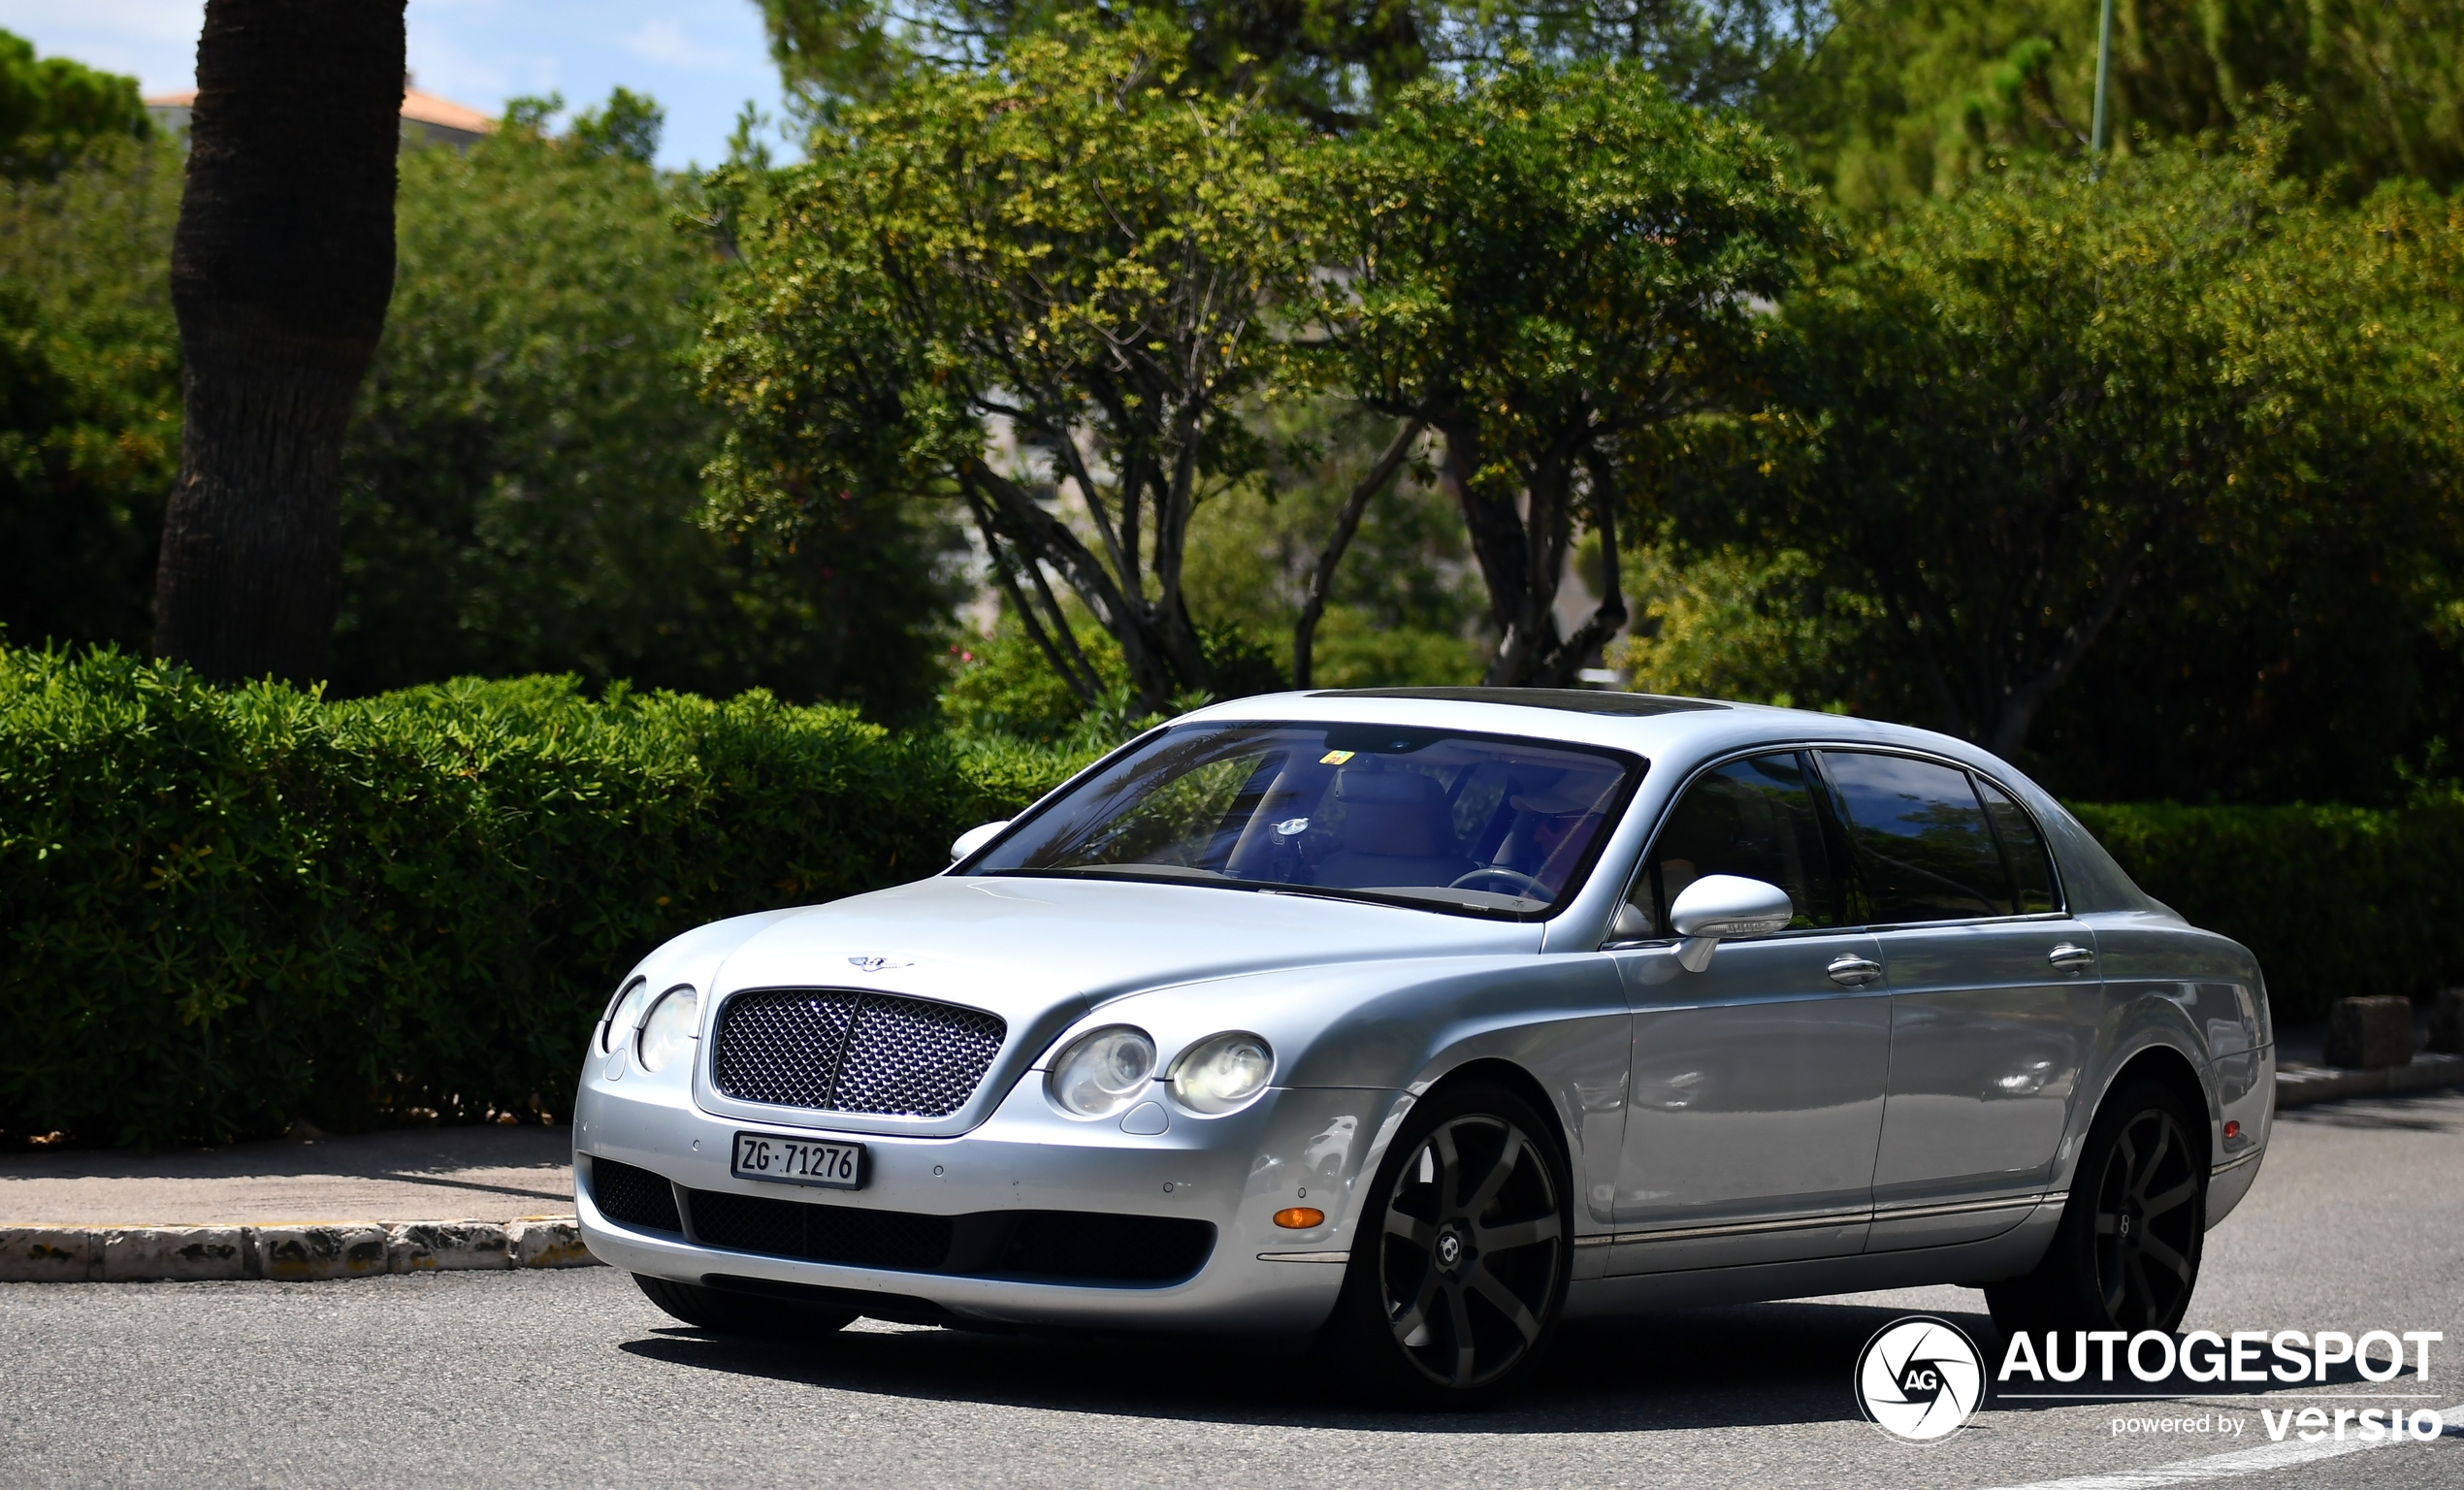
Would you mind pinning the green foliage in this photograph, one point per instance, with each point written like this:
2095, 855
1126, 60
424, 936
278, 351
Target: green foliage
1333, 62
1544, 262
1406, 605
232, 908
2335, 900
1744, 624
1077, 243
626, 128
89, 392
2008, 415
522, 485
54, 111
1909, 97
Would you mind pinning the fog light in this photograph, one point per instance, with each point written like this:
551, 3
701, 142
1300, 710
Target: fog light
1300, 1217
2232, 1130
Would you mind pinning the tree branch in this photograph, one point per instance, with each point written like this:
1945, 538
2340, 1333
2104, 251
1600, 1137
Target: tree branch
1321, 582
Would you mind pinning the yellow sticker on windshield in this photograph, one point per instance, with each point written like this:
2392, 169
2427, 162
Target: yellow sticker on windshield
1333, 758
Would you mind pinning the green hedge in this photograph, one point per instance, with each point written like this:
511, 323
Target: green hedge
226, 909
2336, 901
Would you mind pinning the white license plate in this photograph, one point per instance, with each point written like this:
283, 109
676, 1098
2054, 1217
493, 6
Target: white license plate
794, 1161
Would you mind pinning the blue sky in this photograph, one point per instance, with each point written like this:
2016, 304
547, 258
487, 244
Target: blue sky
699, 59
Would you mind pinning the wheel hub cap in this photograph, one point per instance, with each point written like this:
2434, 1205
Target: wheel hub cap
1450, 1250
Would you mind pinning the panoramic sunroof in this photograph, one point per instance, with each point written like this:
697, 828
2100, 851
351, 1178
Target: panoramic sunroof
1579, 701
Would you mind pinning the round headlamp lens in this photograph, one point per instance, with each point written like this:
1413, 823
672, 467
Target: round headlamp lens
624, 1011
672, 1028
1221, 1073
1104, 1072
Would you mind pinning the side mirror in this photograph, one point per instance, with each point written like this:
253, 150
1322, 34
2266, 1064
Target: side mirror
1717, 906
974, 838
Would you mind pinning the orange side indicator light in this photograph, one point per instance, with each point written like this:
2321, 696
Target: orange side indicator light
1300, 1217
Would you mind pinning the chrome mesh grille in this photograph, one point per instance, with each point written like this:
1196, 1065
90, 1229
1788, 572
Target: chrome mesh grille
846, 1052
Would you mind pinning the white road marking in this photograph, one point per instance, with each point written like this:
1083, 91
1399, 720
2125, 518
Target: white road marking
2226, 1465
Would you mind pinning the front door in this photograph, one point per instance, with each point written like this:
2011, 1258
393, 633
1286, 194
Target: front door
1994, 996
1757, 1096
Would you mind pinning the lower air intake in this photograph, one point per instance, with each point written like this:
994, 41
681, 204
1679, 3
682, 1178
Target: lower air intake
1060, 1246
636, 1197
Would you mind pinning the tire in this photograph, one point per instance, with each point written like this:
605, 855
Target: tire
742, 1314
2126, 1255
1458, 1275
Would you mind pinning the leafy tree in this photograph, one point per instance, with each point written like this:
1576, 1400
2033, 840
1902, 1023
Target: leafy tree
1333, 62
1545, 264
1077, 246
1905, 98
89, 393
2012, 412
1395, 602
54, 111
279, 273
2304, 644
520, 483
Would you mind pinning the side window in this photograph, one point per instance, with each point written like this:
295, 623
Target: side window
1754, 818
1921, 838
2030, 868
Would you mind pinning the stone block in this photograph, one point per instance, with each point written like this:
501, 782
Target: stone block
2447, 1021
48, 1254
136, 1254
297, 1252
2367, 1033
548, 1241
443, 1246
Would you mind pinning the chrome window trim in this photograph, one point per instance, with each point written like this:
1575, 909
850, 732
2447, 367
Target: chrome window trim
1711, 764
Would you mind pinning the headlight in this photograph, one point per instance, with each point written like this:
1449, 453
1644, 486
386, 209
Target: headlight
1219, 1074
669, 1031
1104, 1072
623, 1011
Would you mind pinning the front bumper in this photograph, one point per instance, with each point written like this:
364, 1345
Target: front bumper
1294, 1146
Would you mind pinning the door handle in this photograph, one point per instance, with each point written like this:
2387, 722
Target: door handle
1855, 971
2070, 956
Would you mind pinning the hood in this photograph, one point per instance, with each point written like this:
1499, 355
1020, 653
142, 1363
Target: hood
1016, 946
1042, 952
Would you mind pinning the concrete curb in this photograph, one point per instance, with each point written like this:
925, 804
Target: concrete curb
2299, 1086
131, 1255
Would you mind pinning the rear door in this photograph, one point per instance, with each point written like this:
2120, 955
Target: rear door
1994, 996
1756, 1095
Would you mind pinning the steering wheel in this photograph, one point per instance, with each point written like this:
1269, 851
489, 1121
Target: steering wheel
1516, 880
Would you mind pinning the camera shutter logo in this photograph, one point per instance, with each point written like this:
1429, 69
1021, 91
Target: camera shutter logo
1920, 1379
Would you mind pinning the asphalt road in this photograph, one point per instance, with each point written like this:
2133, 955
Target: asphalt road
532, 1378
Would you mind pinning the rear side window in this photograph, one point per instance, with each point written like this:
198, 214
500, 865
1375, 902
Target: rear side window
1755, 818
1921, 836
2030, 868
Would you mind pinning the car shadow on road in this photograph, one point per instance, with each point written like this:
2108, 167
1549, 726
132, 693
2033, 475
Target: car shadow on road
1760, 1365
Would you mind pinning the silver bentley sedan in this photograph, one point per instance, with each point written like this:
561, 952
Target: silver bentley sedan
1413, 1021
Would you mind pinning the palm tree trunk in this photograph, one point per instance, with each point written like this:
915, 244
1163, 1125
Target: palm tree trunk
280, 270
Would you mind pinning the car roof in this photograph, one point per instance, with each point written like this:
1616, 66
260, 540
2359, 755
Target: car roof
1654, 726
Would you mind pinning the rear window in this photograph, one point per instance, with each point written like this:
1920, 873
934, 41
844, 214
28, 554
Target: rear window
1921, 837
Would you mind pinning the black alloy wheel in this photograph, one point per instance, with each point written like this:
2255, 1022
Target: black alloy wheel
1457, 1291
2147, 1224
2126, 1255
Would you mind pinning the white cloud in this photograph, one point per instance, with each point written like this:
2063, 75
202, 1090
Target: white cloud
664, 42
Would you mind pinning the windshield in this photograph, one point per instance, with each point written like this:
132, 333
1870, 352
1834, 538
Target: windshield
1459, 823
